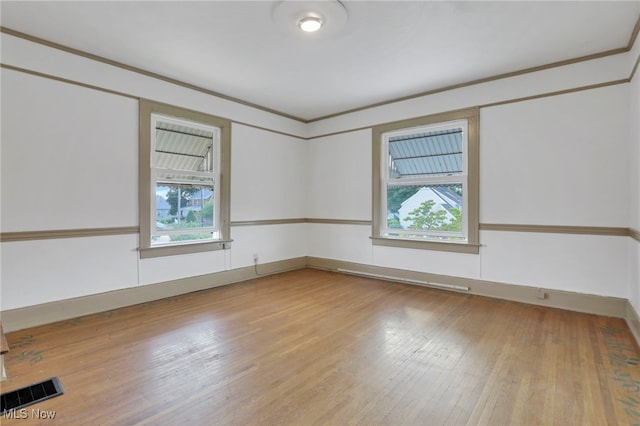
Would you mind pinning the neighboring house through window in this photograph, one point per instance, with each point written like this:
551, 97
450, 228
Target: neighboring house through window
425, 177
162, 208
184, 180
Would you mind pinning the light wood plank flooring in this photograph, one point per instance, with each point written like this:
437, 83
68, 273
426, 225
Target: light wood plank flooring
312, 347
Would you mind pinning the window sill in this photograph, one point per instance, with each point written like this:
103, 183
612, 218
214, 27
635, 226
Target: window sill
455, 247
188, 248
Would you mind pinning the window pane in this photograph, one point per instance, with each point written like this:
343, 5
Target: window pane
182, 206
425, 207
435, 153
183, 148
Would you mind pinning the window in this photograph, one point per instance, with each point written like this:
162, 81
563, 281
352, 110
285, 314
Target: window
184, 181
425, 182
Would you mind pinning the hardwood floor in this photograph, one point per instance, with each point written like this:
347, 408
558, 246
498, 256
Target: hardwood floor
313, 347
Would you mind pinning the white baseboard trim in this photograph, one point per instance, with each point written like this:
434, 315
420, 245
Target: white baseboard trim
46, 313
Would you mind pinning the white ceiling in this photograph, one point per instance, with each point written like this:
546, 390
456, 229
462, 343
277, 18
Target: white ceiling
386, 49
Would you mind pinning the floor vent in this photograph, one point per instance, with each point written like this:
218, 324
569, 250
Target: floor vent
17, 399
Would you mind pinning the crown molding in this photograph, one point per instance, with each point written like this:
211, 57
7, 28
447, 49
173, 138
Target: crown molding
151, 74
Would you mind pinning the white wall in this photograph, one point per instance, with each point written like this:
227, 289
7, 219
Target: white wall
35, 272
65, 164
70, 161
267, 182
339, 176
557, 160
32, 56
634, 180
267, 175
581, 74
560, 160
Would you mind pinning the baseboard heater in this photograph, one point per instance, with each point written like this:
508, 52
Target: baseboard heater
406, 280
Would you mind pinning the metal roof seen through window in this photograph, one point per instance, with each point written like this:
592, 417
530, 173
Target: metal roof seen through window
426, 154
182, 148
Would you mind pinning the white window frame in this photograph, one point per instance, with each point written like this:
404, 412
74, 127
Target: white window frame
381, 235
461, 178
210, 178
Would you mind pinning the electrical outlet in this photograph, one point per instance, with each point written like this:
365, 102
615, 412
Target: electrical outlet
255, 257
540, 294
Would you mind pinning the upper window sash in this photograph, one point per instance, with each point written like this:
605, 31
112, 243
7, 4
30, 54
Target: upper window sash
423, 132
199, 152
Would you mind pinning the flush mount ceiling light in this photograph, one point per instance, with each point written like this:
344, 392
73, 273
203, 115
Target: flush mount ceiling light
310, 24
316, 19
